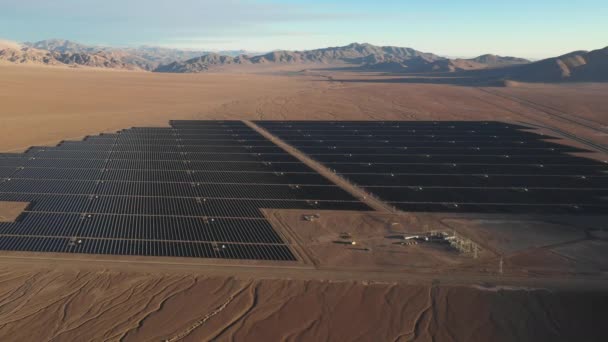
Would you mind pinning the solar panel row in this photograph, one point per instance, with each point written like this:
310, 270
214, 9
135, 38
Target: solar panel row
126, 164
173, 189
147, 248
167, 206
160, 156
131, 175
169, 228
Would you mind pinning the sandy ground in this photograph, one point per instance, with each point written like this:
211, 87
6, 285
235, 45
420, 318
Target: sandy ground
42, 106
50, 305
340, 294
79, 302
9, 211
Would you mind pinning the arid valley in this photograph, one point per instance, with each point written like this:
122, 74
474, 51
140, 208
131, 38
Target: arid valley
536, 278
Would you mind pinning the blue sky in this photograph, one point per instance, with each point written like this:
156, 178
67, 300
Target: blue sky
533, 28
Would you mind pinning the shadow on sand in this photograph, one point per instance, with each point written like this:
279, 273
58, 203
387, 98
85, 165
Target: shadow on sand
487, 78
497, 77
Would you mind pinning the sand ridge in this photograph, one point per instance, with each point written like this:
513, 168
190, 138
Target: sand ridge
41, 304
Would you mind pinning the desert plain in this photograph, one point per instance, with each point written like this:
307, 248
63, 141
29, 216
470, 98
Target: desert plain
536, 278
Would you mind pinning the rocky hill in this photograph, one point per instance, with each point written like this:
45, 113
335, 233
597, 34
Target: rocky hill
198, 64
421, 64
497, 61
577, 66
101, 59
14, 53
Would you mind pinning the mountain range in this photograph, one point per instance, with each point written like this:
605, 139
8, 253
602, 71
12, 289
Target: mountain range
575, 66
353, 54
68, 53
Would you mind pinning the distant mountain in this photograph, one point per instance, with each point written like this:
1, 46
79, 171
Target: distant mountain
144, 57
420, 65
198, 64
100, 59
354, 54
363, 56
103, 59
574, 66
25, 55
159, 55
61, 46
578, 66
497, 61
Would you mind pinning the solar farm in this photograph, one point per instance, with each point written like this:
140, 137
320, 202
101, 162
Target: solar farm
192, 190
198, 189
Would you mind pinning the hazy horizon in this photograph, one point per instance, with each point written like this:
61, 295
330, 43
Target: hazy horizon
464, 29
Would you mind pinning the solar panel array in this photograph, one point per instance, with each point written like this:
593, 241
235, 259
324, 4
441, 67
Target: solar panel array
193, 190
485, 167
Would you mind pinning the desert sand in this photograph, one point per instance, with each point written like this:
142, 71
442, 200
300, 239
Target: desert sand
9, 211
68, 305
553, 287
44, 105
